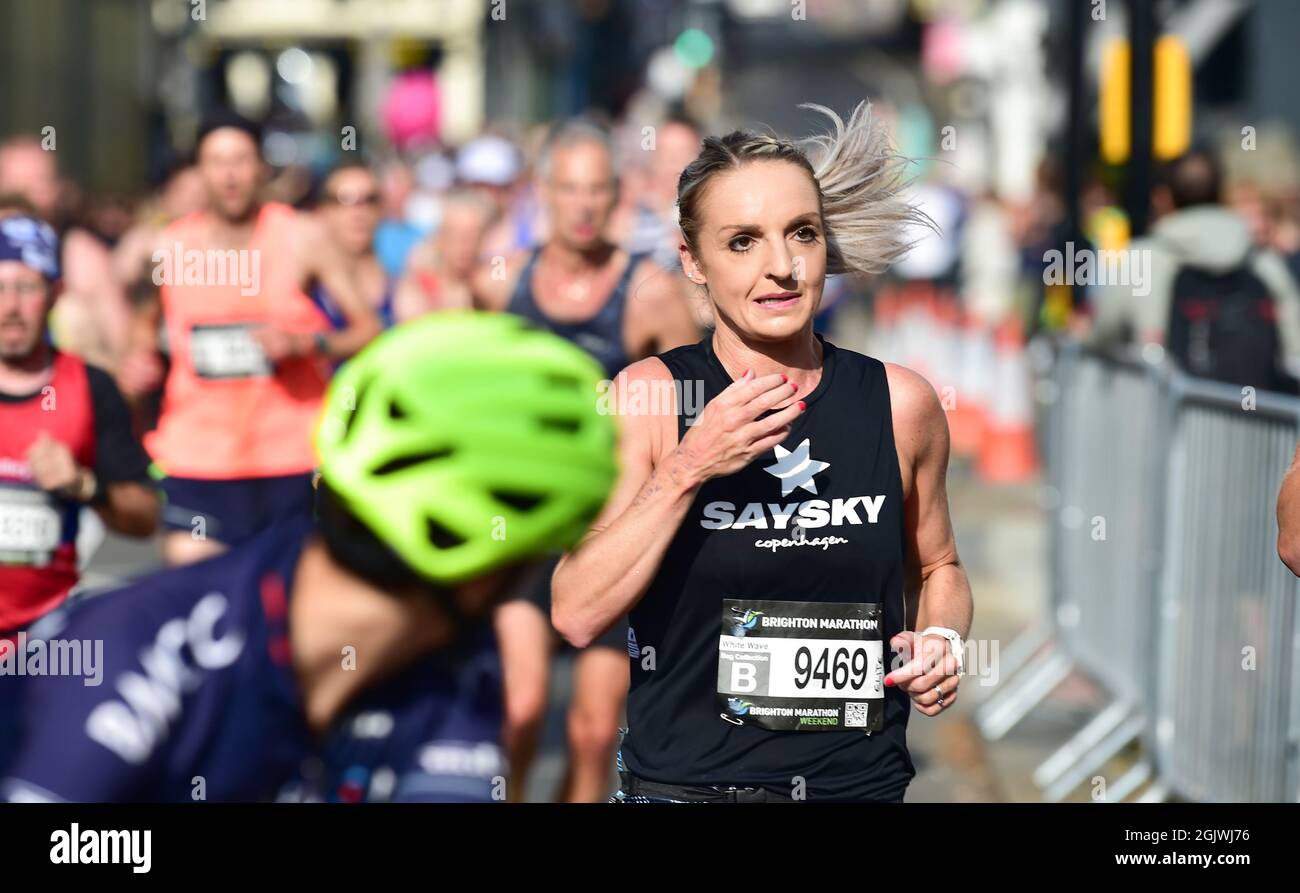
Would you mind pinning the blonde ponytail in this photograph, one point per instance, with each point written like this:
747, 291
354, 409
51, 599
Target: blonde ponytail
862, 181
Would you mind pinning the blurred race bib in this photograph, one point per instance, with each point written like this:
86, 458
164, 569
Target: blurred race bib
227, 350
31, 526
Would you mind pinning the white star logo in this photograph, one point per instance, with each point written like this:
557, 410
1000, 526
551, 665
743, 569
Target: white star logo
796, 468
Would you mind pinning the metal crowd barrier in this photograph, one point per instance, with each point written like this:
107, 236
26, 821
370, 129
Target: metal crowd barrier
1165, 583
1227, 720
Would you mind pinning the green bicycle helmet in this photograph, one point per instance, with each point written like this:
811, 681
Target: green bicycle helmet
468, 441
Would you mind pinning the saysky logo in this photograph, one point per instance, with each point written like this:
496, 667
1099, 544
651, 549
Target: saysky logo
796, 468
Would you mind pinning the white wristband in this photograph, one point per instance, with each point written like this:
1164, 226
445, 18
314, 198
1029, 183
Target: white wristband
954, 643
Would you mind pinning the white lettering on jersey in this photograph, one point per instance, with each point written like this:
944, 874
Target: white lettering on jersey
810, 514
151, 700
449, 758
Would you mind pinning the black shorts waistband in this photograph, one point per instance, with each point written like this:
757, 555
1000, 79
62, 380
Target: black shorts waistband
641, 790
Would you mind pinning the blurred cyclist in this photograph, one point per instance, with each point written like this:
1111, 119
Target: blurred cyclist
350, 211
451, 450
620, 308
250, 353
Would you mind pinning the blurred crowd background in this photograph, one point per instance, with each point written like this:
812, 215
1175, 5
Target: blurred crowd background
1003, 104
446, 102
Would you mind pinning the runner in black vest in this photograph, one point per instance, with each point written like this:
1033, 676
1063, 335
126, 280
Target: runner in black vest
786, 553
619, 308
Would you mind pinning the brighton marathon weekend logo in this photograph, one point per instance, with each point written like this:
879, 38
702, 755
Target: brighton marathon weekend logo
24, 656
796, 470
743, 622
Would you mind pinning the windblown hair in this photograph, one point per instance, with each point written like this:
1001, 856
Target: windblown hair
860, 180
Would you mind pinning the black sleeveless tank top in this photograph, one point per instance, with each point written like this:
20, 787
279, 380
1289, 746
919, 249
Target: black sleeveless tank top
735, 556
601, 336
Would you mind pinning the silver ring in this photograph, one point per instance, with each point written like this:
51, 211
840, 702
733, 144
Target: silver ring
939, 691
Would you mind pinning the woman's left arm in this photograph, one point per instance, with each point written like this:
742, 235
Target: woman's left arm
929, 672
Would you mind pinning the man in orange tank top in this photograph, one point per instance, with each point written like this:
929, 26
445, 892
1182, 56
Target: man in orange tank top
250, 353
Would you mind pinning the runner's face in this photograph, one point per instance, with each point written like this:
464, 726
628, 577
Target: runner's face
459, 238
23, 308
761, 235
231, 171
580, 194
676, 147
351, 209
30, 172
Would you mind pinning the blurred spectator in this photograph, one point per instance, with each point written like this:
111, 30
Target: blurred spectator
92, 318
1223, 308
349, 208
491, 165
1285, 228
652, 228
181, 194
438, 274
395, 236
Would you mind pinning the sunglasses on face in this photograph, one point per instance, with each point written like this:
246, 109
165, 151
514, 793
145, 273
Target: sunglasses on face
352, 200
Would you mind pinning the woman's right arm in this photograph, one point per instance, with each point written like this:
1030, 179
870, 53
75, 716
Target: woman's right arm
608, 572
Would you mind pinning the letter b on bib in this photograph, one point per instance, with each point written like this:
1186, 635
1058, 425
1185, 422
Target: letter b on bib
744, 677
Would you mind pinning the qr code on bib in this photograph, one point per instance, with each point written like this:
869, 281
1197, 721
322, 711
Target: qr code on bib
855, 714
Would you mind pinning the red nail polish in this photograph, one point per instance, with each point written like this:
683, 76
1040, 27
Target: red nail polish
794, 385
802, 406
889, 682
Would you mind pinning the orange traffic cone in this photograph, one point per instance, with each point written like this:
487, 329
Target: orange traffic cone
1008, 455
946, 343
968, 414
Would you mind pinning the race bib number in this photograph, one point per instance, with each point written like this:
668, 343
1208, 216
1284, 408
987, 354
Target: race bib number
31, 526
227, 351
802, 666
